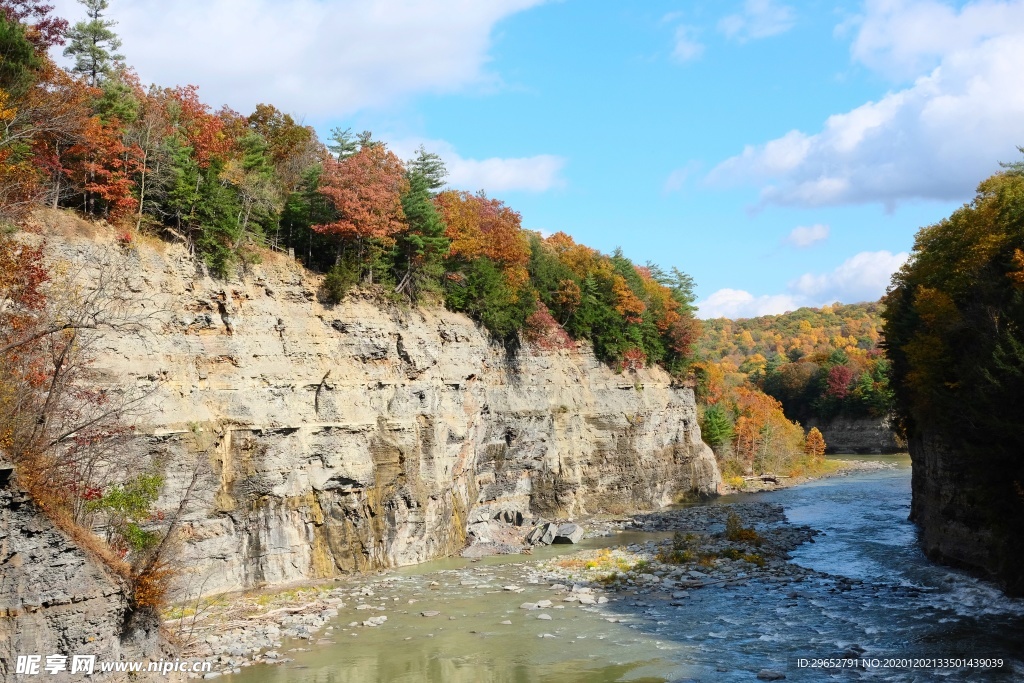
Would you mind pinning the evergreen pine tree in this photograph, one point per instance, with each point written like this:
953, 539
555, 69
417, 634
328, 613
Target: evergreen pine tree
93, 43
422, 248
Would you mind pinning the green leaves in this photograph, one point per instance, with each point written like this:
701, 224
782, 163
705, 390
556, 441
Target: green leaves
716, 428
481, 291
93, 44
125, 507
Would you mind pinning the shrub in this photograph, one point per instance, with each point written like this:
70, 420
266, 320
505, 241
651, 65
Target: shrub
735, 531
544, 332
338, 281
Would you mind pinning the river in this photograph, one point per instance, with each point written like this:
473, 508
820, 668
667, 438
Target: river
896, 606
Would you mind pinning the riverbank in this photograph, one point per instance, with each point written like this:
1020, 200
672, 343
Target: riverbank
688, 549
272, 626
829, 467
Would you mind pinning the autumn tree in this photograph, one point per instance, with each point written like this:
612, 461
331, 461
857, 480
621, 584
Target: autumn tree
365, 190
954, 333
42, 29
814, 443
291, 148
765, 440
479, 226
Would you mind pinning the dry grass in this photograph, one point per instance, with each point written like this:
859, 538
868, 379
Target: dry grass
54, 507
814, 467
603, 565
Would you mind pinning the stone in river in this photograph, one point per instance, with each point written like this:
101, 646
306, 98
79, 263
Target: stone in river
543, 604
507, 622
544, 616
528, 605
430, 613
542, 534
769, 675
569, 533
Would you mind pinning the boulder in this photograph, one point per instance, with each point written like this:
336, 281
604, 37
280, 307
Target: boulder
481, 531
542, 534
569, 533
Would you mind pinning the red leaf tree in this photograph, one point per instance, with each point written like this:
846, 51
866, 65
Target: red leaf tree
366, 191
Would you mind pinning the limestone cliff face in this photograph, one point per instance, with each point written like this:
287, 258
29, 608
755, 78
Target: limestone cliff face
350, 438
55, 599
858, 435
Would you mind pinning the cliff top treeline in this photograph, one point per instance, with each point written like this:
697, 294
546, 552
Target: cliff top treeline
157, 159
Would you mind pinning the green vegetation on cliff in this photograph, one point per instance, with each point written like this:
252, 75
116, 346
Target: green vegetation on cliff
159, 160
954, 328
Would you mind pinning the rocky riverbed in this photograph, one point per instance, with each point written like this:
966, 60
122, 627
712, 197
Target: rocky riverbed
703, 593
707, 547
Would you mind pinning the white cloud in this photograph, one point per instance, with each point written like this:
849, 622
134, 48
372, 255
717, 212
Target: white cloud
805, 235
862, 277
687, 48
758, 19
904, 38
319, 58
737, 303
677, 179
532, 174
537, 173
935, 139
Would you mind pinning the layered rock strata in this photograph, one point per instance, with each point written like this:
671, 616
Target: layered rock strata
57, 600
858, 435
347, 438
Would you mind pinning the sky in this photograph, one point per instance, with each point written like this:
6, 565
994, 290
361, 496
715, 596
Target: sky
782, 153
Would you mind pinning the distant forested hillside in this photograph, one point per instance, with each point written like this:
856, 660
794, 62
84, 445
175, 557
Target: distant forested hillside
818, 362
756, 376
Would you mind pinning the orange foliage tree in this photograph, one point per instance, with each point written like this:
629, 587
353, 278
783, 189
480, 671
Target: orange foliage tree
814, 443
765, 440
365, 190
481, 227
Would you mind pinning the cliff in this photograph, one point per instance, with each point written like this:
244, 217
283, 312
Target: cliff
350, 438
56, 599
858, 435
963, 519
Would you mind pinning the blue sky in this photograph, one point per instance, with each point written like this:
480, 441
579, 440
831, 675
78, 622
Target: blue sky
783, 153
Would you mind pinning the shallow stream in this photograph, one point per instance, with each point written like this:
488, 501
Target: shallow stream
902, 607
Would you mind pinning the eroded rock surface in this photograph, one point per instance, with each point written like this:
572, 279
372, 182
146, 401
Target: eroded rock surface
56, 600
351, 438
859, 435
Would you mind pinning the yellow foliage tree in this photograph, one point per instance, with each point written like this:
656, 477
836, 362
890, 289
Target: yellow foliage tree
814, 443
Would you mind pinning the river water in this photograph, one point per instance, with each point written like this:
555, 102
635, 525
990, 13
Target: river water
902, 608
